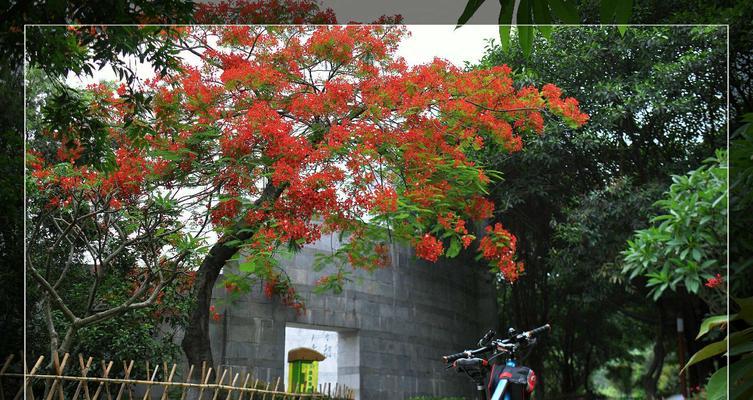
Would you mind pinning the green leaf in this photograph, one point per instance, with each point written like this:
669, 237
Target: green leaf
608, 8
746, 309
565, 10
525, 36
712, 322
741, 349
743, 391
716, 348
623, 10
711, 350
505, 19
657, 293
741, 369
470, 8
542, 18
233, 243
454, 248
525, 30
696, 254
248, 267
716, 388
693, 285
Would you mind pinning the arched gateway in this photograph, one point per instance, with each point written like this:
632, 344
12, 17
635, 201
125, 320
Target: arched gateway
392, 325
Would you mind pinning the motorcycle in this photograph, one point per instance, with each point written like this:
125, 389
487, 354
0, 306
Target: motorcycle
506, 380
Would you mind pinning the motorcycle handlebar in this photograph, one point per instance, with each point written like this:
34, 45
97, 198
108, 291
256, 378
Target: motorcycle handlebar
538, 331
453, 357
470, 353
470, 363
466, 354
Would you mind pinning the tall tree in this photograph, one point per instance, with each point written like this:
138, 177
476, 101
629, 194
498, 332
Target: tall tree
272, 136
657, 106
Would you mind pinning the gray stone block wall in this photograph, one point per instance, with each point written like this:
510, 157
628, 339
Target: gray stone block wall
394, 324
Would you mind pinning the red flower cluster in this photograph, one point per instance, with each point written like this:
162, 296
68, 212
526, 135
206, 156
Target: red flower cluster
213, 311
566, 108
479, 208
498, 246
274, 286
270, 287
128, 177
452, 222
429, 248
715, 282
385, 200
225, 211
70, 151
231, 287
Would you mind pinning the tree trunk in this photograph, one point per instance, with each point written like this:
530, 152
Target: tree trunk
196, 343
651, 378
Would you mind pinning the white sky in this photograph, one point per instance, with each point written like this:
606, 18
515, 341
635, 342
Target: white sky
444, 41
423, 44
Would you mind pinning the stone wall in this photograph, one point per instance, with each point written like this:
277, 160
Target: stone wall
393, 325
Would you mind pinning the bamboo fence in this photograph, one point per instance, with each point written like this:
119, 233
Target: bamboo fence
53, 382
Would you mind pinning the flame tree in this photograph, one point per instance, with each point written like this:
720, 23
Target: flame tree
270, 137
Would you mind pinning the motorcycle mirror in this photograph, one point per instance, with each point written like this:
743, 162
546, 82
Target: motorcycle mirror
488, 337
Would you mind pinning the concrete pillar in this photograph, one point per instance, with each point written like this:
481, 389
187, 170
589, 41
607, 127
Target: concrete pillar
349, 361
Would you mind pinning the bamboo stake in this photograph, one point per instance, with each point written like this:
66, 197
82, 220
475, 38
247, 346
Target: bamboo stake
203, 371
107, 384
148, 374
277, 385
2, 374
130, 388
25, 368
57, 384
84, 372
105, 375
29, 377
188, 379
264, 397
232, 384
219, 384
168, 381
148, 393
126, 374
49, 389
206, 380
253, 393
245, 382
7, 364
